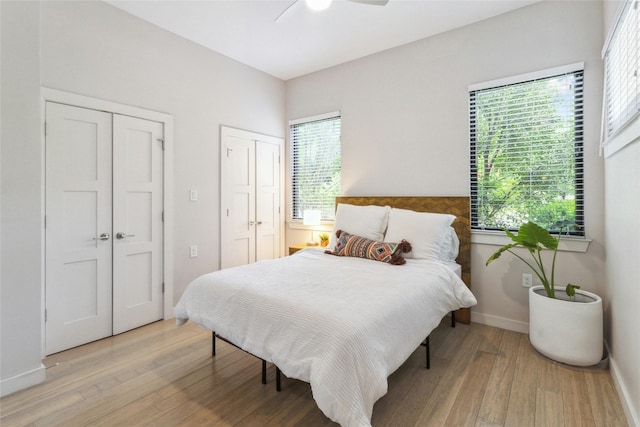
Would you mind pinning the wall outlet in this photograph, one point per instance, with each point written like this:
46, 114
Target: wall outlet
527, 280
193, 195
193, 251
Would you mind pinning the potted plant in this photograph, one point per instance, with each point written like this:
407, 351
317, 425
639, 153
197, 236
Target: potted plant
324, 239
565, 324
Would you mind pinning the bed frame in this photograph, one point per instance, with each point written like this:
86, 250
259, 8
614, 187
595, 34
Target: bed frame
454, 205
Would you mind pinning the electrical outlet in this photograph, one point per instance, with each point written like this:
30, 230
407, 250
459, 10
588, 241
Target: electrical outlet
193, 195
527, 280
193, 251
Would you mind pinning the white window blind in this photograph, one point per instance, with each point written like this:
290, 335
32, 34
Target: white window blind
526, 140
622, 60
315, 165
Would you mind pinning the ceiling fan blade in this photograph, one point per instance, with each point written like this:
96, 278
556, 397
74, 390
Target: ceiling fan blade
372, 2
287, 11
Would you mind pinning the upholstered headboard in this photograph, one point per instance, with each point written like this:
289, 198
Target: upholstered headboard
454, 205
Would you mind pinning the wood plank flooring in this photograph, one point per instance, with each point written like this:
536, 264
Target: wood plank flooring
162, 375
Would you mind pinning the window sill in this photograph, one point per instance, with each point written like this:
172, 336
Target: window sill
298, 225
498, 238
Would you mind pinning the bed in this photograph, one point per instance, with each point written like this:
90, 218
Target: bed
343, 323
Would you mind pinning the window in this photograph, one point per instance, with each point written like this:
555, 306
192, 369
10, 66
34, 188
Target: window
315, 165
526, 150
622, 60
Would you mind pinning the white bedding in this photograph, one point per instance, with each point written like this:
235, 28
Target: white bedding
342, 324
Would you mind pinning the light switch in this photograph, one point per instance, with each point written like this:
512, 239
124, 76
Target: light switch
193, 195
193, 251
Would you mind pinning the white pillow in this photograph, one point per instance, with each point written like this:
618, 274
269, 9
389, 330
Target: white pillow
364, 221
450, 246
429, 233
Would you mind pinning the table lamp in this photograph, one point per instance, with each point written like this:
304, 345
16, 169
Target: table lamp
311, 217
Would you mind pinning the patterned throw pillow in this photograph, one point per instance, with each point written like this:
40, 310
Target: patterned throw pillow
356, 246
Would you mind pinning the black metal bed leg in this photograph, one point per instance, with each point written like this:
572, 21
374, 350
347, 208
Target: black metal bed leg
453, 319
213, 343
264, 371
428, 353
278, 387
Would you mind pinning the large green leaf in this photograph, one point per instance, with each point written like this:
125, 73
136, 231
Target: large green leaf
499, 252
530, 235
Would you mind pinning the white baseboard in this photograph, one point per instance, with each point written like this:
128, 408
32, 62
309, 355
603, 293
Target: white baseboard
630, 407
500, 322
23, 380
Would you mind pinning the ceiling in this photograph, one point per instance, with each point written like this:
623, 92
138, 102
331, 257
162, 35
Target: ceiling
304, 41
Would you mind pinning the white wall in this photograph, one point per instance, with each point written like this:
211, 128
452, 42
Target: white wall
405, 126
622, 230
20, 287
96, 50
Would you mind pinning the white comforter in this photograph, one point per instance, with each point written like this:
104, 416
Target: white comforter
342, 324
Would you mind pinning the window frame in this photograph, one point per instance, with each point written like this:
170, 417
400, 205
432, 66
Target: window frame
579, 177
292, 174
627, 130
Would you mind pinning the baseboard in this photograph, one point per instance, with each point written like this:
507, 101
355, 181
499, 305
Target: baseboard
631, 411
500, 322
23, 380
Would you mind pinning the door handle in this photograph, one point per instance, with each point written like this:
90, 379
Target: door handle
255, 222
103, 236
122, 235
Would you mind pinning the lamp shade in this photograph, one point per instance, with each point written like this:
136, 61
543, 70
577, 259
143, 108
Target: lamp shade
318, 4
311, 217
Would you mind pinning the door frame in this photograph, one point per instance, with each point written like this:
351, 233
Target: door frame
54, 95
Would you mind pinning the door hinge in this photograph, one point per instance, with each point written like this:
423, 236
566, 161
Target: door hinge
229, 150
45, 314
45, 222
227, 211
45, 128
161, 141
163, 287
162, 216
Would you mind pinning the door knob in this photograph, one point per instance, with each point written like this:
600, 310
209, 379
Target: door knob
103, 236
122, 235
255, 222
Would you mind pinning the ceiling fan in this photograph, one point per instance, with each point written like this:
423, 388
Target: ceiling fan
318, 5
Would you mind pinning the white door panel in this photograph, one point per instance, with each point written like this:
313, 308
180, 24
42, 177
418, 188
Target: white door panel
238, 195
78, 210
137, 222
267, 200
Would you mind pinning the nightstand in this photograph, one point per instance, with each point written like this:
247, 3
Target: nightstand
296, 248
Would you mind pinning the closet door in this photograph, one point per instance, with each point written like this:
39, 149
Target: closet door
78, 231
103, 232
137, 222
267, 200
251, 197
238, 194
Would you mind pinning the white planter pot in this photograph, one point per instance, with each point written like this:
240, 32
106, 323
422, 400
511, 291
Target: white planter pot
566, 331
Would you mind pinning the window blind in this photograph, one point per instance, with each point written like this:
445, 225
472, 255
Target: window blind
315, 165
526, 153
622, 60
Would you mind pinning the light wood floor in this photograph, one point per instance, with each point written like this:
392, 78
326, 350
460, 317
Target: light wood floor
161, 375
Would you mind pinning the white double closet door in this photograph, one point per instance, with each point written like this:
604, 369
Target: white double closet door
103, 231
251, 197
